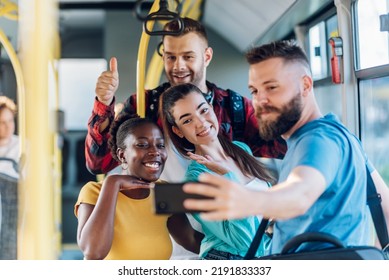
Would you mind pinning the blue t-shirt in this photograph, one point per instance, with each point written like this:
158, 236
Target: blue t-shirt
232, 236
326, 145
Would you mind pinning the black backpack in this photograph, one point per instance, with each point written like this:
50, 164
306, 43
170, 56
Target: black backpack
238, 114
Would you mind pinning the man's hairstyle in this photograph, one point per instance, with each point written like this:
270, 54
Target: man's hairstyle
6, 102
123, 126
190, 25
289, 51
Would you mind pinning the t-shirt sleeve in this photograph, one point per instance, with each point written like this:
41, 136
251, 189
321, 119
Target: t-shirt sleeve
243, 146
89, 194
195, 170
320, 152
193, 173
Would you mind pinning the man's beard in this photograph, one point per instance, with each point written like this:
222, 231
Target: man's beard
289, 115
195, 78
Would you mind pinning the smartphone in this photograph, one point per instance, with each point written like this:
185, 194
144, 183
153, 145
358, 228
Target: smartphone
169, 198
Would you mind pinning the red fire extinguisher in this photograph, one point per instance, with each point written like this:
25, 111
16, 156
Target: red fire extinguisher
336, 59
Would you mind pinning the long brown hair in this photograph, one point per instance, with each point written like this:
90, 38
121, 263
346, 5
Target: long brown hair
248, 164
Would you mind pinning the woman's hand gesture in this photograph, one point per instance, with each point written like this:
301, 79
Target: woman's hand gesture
210, 163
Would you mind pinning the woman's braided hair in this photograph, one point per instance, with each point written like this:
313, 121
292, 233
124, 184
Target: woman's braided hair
121, 128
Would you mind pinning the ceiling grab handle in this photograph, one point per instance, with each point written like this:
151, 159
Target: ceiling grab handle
163, 14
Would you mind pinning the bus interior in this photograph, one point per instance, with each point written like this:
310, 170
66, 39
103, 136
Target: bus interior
52, 52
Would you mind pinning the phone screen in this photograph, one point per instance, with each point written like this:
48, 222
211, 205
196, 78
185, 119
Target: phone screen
169, 198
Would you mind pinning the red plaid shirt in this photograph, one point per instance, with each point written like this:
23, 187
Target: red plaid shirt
98, 155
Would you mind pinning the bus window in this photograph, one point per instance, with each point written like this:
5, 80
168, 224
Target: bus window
327, 94
317, 51
329, 98
372, 43
372, 63
77, 81
332, 26
374, 122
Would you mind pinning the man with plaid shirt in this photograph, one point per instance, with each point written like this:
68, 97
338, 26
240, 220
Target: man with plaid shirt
186, 58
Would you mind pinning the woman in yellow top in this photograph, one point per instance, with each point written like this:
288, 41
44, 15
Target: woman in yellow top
115, 217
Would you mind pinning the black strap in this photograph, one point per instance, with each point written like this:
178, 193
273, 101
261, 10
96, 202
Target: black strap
374, 202
153, 101
373, 199
238, 118
256, 240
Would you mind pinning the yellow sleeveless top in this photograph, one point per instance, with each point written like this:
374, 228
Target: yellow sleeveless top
139, 234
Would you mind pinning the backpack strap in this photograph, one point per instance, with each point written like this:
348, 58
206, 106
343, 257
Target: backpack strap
153, 101
374, 201
238, 114
256, 240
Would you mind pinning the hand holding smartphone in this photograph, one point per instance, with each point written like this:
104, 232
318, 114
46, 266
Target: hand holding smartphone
169, 198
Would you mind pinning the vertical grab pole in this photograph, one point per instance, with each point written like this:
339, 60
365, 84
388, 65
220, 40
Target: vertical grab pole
141, 65
38, 26
190, 9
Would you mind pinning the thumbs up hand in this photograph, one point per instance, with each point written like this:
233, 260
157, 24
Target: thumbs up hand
107, 83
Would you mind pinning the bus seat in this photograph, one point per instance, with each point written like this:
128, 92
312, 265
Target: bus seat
9, 217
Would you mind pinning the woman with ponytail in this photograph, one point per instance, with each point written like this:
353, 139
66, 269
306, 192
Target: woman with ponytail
191, 124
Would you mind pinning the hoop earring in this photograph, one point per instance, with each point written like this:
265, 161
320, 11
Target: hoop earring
124, 165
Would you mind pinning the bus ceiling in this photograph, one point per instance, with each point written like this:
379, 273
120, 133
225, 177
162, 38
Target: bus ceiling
241, 23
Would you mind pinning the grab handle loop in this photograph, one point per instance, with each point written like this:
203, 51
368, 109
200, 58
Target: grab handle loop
163, 14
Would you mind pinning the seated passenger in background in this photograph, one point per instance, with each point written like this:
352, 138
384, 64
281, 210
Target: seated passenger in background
322, 182
115, 218
190, 122
9, 142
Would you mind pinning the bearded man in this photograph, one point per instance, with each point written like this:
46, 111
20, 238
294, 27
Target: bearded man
322, 179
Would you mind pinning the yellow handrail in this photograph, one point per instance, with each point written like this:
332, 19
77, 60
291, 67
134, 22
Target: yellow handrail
20, 91
37, 231
190, 9
8, 9
56, 149
154, 71
141, 64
